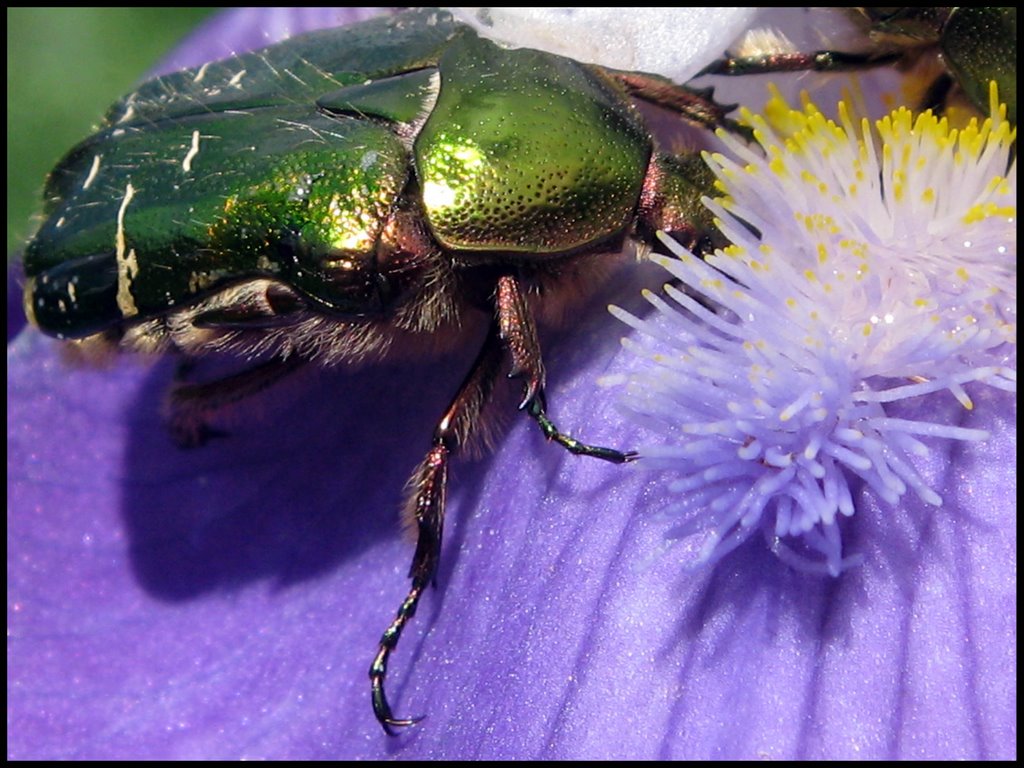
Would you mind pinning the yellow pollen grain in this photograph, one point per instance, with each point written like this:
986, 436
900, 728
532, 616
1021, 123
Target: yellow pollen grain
986, 210
961, 272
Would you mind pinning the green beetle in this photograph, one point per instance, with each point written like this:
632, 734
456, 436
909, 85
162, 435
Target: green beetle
976, 45
354, 194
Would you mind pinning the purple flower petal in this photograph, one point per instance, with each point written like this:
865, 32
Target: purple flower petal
244, 29
226, 602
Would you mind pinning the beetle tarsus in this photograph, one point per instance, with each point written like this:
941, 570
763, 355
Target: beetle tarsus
817, 61
538, 412
518, 333
431, 480
379, 668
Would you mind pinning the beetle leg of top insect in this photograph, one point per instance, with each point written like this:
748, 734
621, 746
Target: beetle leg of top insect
825, 61
817, 61
697, 105
189, 405
519, 335
427, 505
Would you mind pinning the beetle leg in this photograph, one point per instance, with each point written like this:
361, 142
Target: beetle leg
826, 61
513, 330
188, 405
817, 61
426, 509
697, 105
518, 333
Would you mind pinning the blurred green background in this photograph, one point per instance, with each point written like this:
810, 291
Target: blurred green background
65, 66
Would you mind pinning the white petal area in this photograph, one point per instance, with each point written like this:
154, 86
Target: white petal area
674, 42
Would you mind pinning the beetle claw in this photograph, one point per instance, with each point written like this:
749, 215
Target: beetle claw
532, 389
382, 710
